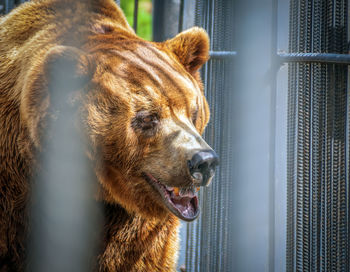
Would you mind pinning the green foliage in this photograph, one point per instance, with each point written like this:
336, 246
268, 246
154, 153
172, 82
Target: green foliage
144, 23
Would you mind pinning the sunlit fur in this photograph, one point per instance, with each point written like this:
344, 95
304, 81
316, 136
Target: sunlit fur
125, 77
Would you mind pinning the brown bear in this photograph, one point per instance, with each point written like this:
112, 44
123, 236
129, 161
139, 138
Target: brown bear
142, 108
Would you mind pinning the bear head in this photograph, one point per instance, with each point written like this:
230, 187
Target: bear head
143, 110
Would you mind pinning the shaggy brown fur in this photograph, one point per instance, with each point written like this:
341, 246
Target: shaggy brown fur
142, 109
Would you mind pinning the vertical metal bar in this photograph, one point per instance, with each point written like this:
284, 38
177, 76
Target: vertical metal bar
272, 143
347, 144
301, 144
64, 215
291, 148
214, 136
181, 15
188, 16
317, 98
325, 181
193, 265
194, 241
136, 8
212, 254
8, 5
165, 19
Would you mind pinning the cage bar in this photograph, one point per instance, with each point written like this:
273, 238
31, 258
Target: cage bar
314, 57
136, 8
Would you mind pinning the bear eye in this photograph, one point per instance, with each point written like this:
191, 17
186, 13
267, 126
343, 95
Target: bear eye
145, 121
148, 119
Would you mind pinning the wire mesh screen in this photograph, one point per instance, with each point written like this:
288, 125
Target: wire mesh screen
208, 247
318, 150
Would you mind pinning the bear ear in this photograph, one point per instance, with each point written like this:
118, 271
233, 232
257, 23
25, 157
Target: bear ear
191, 47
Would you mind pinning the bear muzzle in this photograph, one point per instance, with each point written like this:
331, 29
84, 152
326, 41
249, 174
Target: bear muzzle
183, 201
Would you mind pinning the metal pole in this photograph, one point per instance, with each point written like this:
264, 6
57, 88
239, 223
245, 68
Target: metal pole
136, 8
222, 55
315, 57
64, 215
165, 19
181, 15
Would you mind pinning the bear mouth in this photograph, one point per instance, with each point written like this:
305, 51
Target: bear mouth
182, 202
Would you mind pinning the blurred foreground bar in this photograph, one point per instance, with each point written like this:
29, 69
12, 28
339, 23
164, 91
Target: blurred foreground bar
65, 218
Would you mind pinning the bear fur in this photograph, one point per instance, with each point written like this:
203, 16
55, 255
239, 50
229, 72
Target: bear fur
142, 108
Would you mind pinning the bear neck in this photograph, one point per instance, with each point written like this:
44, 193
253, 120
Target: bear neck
134, 243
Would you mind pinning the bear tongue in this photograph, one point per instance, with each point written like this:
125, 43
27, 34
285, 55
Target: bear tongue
182, 203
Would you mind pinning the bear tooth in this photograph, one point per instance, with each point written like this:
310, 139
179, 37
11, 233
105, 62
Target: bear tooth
176, 190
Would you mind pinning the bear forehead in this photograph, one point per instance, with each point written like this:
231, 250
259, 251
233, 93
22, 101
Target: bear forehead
149, 76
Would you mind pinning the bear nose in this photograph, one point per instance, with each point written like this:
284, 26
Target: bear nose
202, 167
